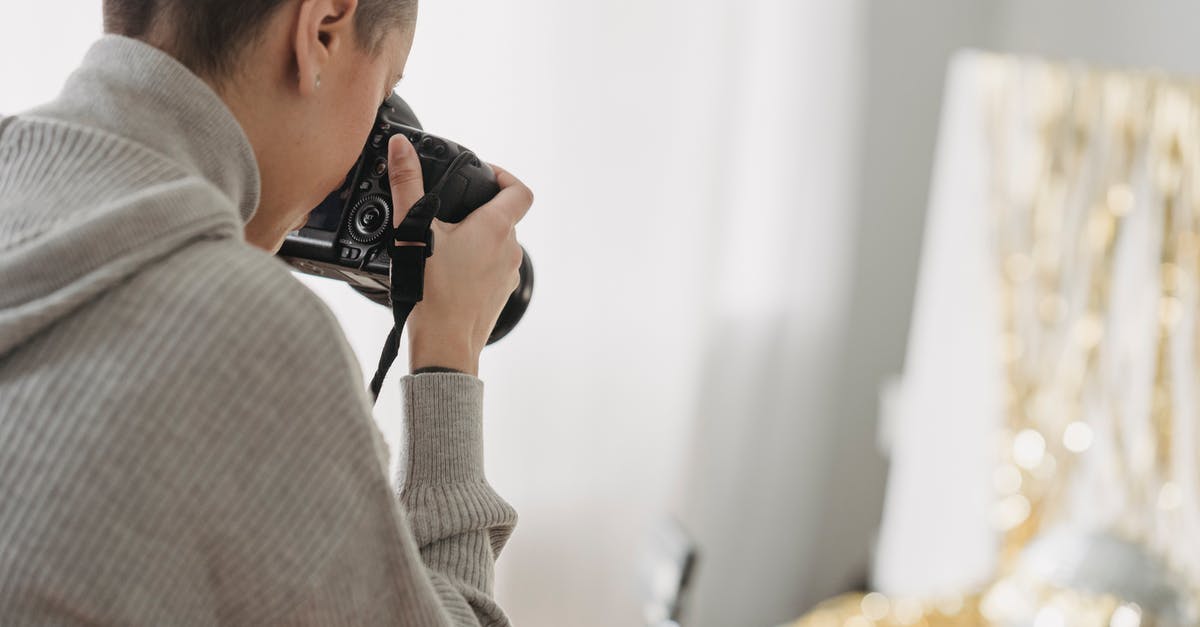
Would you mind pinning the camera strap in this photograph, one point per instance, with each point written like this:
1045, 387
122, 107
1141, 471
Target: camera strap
407, 272
407, 276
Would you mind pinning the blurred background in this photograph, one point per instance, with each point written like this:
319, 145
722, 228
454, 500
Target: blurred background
731, 199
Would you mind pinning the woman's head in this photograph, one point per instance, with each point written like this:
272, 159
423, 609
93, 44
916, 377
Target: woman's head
303, 77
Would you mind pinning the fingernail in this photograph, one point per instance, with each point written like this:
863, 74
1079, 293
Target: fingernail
397, 146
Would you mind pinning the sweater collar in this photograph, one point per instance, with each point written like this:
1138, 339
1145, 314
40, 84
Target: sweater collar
145, 95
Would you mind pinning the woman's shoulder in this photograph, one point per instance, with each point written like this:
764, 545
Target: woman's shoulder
222, 301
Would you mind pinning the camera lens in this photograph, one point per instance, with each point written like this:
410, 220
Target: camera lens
368, 220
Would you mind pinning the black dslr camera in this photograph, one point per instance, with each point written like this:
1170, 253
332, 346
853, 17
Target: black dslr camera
347, 236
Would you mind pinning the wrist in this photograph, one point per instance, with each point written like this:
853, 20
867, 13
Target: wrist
434, 352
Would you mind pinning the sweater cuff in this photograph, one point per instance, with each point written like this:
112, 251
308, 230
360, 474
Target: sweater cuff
443, 429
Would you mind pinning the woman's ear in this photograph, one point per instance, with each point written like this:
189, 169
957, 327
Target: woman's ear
323, 29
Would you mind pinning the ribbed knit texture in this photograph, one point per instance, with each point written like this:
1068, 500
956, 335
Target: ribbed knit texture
185, 437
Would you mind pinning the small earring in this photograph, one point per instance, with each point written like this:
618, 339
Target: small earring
318, 80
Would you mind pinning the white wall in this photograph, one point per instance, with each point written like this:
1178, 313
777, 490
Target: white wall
40, 43
764, 413
1158, 34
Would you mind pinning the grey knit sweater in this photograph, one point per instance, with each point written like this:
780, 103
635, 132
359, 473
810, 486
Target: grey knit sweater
185, 437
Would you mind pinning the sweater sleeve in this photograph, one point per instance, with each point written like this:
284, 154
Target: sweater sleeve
428, 557
459, 522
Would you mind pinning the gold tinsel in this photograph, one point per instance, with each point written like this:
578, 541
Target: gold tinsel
1096, 148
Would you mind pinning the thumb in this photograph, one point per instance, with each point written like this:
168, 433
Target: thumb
404, 176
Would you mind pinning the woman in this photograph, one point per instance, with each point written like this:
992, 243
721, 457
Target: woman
184, 434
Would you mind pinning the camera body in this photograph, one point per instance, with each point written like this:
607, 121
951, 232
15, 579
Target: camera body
346, 237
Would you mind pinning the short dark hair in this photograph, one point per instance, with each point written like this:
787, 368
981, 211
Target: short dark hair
207, 35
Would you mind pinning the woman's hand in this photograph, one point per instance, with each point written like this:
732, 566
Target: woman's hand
474, 269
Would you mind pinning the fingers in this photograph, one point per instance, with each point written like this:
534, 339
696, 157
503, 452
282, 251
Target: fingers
404, 176
514, 199
515, 259
504, 177
504, 211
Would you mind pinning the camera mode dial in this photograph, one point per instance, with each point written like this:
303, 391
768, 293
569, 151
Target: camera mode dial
368, 219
